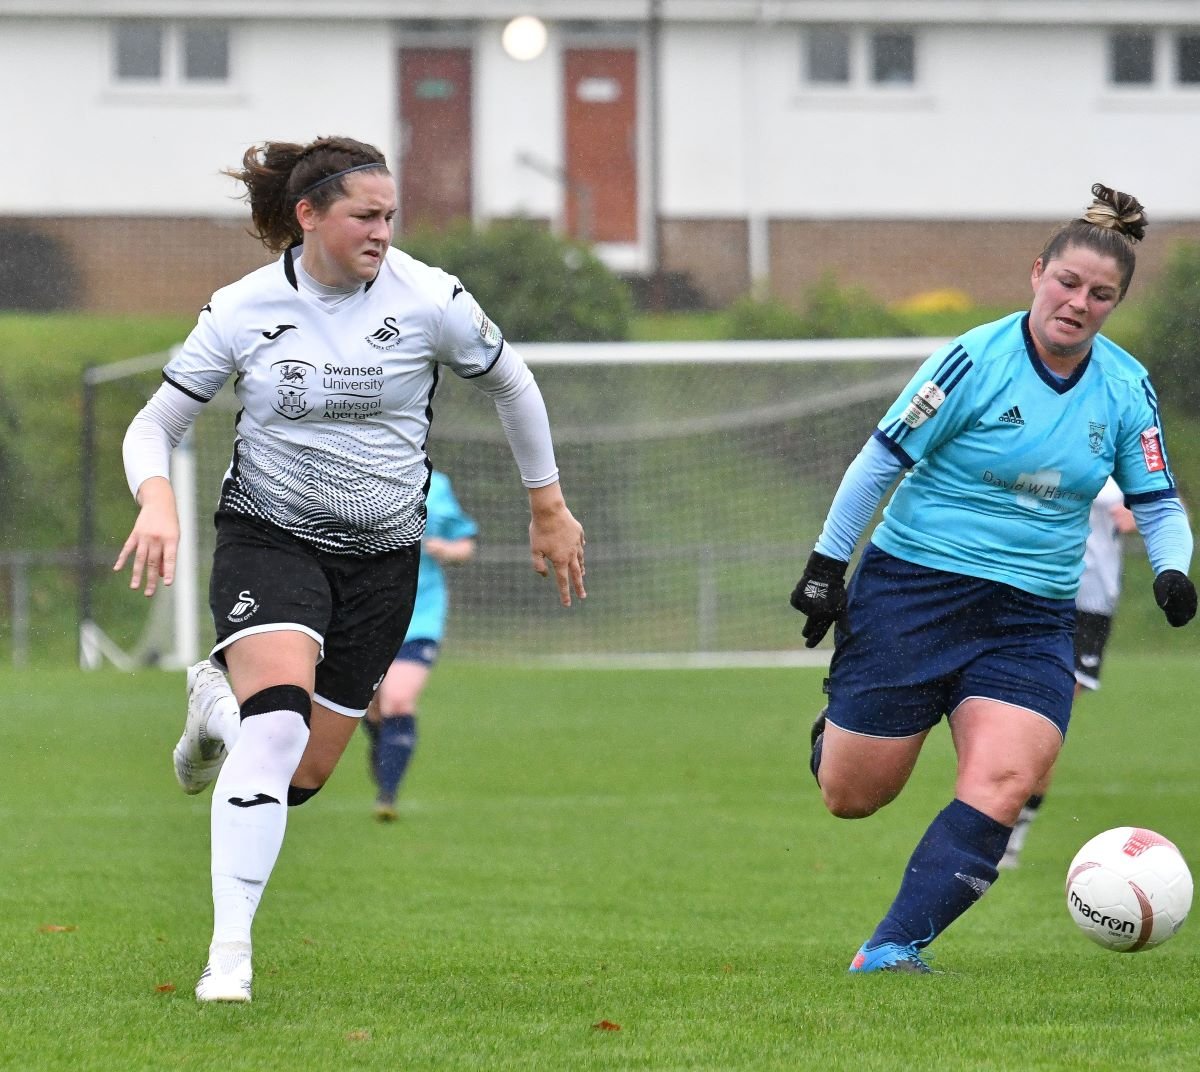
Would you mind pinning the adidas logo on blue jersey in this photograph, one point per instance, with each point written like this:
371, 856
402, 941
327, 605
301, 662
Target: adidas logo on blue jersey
1013, 416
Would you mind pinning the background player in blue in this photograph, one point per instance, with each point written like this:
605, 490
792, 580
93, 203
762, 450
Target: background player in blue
391, 720
962, 604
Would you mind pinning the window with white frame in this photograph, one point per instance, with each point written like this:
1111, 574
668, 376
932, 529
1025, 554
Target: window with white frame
152, 52
1147, 58
828, 55
1187, 58
1131, 58
859, 57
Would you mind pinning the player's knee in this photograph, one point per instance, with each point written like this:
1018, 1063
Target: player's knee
853, 802
297, 795
279, 698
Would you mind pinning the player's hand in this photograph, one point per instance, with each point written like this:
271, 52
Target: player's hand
821, 594
1176, 595
555, 537
154, 541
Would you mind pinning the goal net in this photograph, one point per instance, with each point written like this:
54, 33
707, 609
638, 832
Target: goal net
700, 471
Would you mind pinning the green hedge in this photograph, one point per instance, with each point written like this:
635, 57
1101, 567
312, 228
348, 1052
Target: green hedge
828, 311
536, 286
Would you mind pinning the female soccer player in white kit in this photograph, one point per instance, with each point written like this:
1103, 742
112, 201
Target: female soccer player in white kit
335, 349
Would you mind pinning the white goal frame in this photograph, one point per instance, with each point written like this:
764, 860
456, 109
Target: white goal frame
184, 596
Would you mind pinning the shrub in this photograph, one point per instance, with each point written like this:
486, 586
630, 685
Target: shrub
536, 286
943, 300
828, 312
769, 319
1170, 345
36, 272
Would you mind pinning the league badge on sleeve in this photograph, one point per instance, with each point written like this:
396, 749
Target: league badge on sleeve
923, 405
488, 331
1152, 451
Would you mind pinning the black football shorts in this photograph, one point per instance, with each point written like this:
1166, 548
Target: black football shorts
357, 607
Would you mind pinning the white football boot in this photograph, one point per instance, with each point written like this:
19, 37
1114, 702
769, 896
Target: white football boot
227, 975
199, 756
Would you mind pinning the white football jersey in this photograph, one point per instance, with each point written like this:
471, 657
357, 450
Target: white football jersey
335, 400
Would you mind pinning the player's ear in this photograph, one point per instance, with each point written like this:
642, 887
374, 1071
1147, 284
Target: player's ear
306, 214
1035, 273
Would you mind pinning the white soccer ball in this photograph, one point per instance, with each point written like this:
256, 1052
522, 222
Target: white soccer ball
1129, 889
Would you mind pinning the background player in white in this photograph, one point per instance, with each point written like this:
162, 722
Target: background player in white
335, 350
1095, 604
391, 719
962, 604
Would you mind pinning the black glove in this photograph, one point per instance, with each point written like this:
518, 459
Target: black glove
821, 594
1176, 595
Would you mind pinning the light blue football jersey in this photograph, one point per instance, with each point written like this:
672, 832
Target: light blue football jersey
445, 520
1006, 459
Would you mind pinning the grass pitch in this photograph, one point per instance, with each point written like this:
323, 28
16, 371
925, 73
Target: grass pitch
593, 870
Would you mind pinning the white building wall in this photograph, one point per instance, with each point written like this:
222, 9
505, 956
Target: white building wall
114, 149
518, 116
1004, 122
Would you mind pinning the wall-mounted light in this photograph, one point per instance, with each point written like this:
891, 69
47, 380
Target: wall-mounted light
524, 38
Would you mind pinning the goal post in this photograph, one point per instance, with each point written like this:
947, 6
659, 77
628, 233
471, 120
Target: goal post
701, 472
168, 633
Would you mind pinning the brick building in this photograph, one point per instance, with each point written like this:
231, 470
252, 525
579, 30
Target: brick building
904, 145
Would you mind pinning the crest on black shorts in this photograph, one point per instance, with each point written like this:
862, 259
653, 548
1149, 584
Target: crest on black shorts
245, 607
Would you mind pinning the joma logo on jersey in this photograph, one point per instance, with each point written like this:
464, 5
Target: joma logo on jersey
924, 405
386, 337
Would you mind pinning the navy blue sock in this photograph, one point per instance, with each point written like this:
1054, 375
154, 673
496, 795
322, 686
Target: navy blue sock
397, 740
951, 868
371, 729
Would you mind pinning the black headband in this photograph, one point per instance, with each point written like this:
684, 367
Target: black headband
337, 175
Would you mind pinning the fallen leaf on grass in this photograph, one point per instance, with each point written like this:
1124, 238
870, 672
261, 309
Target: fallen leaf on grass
606, 1025
165, 988
57, 928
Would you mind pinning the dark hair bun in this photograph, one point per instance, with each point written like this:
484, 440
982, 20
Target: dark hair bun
1117, 211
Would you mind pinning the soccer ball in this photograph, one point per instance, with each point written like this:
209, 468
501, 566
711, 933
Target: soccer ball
1129, 889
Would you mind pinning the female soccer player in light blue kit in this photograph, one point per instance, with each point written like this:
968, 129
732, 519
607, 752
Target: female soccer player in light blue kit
963, 601
391, 720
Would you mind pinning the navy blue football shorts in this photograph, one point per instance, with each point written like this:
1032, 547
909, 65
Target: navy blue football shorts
916, 642
357, 607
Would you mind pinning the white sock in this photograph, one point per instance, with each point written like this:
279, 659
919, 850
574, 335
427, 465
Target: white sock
247, 836
235, 900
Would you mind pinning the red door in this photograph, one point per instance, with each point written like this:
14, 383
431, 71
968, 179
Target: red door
601, 142
435, 146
